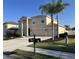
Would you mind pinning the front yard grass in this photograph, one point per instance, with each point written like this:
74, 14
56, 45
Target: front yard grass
58, 45
31, 55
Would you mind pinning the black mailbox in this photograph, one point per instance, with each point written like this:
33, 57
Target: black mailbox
31, 39
36, 40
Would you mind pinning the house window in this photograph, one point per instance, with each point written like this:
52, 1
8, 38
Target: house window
42, 21
33, 22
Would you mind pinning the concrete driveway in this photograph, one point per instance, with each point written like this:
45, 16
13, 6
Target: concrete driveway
13, 44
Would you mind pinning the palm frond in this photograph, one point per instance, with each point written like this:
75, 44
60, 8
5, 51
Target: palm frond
54, 7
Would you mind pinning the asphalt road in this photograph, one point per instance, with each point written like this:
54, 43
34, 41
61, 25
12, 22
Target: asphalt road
15, 57
11, 57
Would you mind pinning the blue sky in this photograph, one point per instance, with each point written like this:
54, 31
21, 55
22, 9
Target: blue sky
14, 9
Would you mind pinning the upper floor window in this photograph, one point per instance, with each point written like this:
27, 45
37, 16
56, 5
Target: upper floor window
42, 21
33, 22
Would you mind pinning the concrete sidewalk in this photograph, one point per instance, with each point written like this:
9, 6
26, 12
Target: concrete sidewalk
62, 55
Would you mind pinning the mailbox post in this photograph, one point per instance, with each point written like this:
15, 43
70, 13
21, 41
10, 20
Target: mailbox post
34, 40
34, 45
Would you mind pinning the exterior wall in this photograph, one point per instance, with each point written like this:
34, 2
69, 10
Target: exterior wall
38, 27
49, 30
62, 30
4, 30
42, 29
48, 20
23, 26
10, 26
71, 32
20, 28
49, 27
7, 26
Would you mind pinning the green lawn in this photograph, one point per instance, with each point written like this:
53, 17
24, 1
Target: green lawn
30, 54
58, 45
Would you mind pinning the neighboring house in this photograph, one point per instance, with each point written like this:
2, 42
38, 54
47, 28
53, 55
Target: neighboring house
71, 32
8, 25
38, 25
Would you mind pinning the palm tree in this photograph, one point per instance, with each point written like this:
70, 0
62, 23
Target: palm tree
60, 6
53, 8
49, 8
67, 27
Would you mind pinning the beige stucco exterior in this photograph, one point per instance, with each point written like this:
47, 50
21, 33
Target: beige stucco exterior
38, 25
11, 25
41, 26
8, 25
61, 29
23, 26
